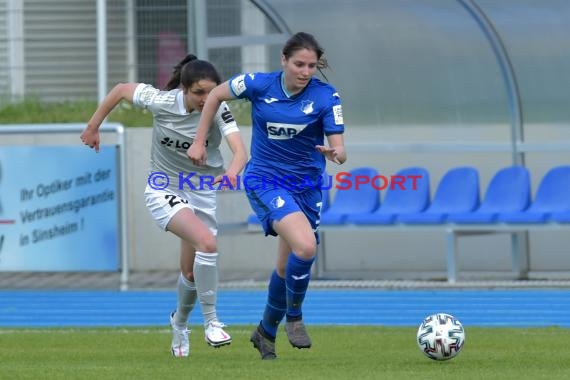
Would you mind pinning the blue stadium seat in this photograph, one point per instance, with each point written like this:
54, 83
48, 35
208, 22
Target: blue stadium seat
458, 191
508, 191
252, 219
560, 217
399, 200
352, 200
552, 196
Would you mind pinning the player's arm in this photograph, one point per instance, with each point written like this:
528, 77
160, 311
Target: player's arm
239, 158
333, 125
90, 135
197, 151
335, 152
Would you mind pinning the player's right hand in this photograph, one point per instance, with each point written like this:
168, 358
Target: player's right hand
197, 153
90, 137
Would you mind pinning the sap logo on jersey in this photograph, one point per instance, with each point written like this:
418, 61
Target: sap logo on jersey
281, 131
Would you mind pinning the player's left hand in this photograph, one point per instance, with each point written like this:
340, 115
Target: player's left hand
329, 153
227, 181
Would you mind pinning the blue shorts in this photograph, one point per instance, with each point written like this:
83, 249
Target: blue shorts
273, 204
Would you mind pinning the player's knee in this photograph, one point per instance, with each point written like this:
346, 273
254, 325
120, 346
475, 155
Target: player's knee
208, 245
306, 250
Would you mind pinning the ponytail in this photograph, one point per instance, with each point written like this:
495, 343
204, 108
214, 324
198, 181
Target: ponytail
174, 81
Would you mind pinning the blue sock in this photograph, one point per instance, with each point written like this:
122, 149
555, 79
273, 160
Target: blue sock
276, 305
297, 276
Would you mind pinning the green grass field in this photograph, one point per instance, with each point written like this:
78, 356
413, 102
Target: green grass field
338, 352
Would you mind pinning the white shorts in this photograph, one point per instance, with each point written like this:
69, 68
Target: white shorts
164, 204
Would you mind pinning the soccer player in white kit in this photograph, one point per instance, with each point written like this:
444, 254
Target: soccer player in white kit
180, 195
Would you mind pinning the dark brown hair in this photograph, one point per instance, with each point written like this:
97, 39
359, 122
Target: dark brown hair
303, 40
191, 70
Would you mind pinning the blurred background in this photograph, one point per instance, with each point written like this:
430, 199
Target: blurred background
401, 62
432, 83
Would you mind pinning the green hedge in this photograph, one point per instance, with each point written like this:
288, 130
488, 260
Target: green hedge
35, 111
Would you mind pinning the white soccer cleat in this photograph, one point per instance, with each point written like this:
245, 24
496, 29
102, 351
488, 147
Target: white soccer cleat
180, 345
215, 334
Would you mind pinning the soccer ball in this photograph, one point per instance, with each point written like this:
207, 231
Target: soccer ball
441, 336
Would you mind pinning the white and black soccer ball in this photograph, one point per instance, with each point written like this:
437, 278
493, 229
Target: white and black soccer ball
441, 336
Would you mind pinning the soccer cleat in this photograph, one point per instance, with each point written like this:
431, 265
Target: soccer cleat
180, 345
297, 334
264, 345
215, 335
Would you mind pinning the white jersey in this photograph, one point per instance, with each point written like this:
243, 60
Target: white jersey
173, 133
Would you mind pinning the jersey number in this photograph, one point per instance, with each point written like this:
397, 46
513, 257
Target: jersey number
173, 200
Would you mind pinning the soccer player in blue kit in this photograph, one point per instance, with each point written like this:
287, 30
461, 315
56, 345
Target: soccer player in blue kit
292, 111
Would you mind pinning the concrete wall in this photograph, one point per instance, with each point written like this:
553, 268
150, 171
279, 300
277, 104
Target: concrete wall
370, 253
361, 253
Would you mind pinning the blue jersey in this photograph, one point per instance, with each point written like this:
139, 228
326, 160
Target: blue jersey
286, 128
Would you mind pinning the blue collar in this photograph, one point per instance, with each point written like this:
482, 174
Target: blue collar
283, 87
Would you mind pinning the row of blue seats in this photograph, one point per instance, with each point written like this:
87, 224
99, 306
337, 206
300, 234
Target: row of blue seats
507, 199
457, 199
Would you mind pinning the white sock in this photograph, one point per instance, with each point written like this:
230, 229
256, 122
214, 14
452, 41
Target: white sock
206, 278
186, 292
